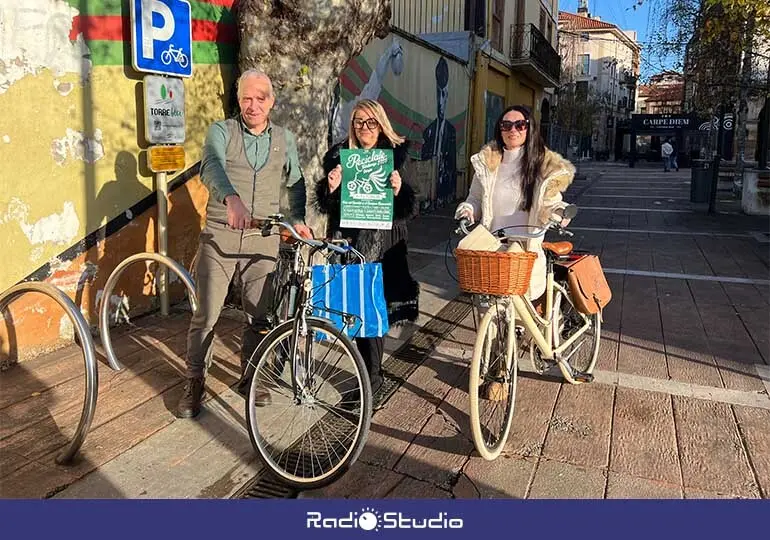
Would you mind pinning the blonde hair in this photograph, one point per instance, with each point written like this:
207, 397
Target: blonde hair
378, 113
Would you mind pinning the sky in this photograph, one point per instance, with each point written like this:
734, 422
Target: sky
623, 14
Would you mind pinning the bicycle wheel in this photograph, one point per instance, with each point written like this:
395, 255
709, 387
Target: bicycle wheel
310, 437
492, 384
581, 354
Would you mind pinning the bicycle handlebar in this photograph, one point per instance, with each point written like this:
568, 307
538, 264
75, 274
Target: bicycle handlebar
268, 223
569, 212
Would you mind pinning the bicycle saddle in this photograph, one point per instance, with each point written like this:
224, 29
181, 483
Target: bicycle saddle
558, 248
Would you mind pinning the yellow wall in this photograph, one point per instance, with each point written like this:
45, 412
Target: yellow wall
71, 148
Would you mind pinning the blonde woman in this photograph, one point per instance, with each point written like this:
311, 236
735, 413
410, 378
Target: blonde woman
370, 128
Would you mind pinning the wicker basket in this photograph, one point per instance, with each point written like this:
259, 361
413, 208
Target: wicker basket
494, 273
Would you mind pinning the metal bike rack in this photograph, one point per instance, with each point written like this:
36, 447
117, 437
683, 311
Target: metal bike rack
104, 305
89, 356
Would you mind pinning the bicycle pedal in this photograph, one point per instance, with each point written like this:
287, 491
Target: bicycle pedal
581, 377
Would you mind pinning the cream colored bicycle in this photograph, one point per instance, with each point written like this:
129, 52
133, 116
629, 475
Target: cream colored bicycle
562, 336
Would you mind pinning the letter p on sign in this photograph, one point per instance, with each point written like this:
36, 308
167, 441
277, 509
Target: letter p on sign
161, 32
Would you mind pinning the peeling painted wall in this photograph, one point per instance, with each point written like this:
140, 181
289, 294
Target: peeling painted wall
72, 154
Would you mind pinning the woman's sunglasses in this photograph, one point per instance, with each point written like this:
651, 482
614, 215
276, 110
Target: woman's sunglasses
520, 125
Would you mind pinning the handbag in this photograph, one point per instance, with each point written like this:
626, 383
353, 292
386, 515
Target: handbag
588, 286
352, 297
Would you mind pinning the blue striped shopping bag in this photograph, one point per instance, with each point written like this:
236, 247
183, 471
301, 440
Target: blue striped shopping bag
352, 296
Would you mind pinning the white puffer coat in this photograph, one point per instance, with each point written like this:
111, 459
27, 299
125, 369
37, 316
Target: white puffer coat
557, 175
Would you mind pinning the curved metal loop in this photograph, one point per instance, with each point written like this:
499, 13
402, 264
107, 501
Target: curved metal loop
89, 356
104, 304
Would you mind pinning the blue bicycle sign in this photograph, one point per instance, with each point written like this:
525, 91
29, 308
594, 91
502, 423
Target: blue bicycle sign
161, 32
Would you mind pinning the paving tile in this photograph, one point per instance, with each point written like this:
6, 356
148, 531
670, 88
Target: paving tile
35, 481
710, 448
638, 356
579, 430
362, 481
409, 488
644, 436
535, 401
708, 292
624, 486
736, 360
394, 427
556, 480
691, 493
755, 428
437, 454
507, 477
743, 294
689, 360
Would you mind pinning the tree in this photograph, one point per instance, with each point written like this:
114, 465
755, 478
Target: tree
719, 38
303, 45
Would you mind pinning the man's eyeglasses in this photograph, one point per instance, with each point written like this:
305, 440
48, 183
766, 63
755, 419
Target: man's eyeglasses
519, 125
371, 123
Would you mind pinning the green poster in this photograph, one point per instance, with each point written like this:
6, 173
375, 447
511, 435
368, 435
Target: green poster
367, 196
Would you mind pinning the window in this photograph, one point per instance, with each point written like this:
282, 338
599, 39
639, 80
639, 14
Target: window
498, 12
543, 19
475, 17
584, 64
549, 35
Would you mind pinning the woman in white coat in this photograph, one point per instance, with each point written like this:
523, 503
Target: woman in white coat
518, 182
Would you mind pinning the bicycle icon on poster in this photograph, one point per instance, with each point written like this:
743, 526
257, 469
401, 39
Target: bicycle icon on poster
174, 54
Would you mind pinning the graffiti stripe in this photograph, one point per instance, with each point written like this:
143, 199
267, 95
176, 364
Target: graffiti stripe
199, 8
111, 53
102, 27
355, 69
404, 119
115, 28
98, 7
211, 12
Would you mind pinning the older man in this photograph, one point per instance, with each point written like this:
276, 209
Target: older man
251, 169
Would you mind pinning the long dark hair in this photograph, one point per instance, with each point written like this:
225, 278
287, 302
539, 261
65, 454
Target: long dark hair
534, 152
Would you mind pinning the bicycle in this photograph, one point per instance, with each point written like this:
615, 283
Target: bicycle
326, 398
565, 332
177, 55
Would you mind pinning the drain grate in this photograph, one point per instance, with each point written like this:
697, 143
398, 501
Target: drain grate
397, 368
264, 486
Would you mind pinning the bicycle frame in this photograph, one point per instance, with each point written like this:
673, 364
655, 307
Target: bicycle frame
521, 308
299, 307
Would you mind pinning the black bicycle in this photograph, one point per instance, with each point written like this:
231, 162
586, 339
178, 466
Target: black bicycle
309, 404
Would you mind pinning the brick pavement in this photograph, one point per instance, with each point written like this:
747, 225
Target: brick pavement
679, 408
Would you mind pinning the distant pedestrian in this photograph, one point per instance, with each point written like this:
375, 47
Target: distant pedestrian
674, 153
665, 152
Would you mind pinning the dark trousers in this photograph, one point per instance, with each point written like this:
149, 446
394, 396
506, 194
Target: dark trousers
372, 350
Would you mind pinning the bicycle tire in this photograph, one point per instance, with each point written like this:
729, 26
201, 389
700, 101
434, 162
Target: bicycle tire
563, 327
495, 318
296, 478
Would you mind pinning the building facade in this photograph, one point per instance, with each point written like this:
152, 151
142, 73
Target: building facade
663, 94
511, 51
600, 70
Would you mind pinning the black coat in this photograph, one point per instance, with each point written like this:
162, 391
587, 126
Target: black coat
386, 246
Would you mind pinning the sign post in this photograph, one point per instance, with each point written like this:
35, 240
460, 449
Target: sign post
161, 32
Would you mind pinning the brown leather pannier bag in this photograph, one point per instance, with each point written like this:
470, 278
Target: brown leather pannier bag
588, 287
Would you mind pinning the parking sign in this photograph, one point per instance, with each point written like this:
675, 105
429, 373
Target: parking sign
161, 32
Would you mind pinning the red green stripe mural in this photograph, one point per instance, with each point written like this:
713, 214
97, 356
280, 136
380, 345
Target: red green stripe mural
406, 121
105, 26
